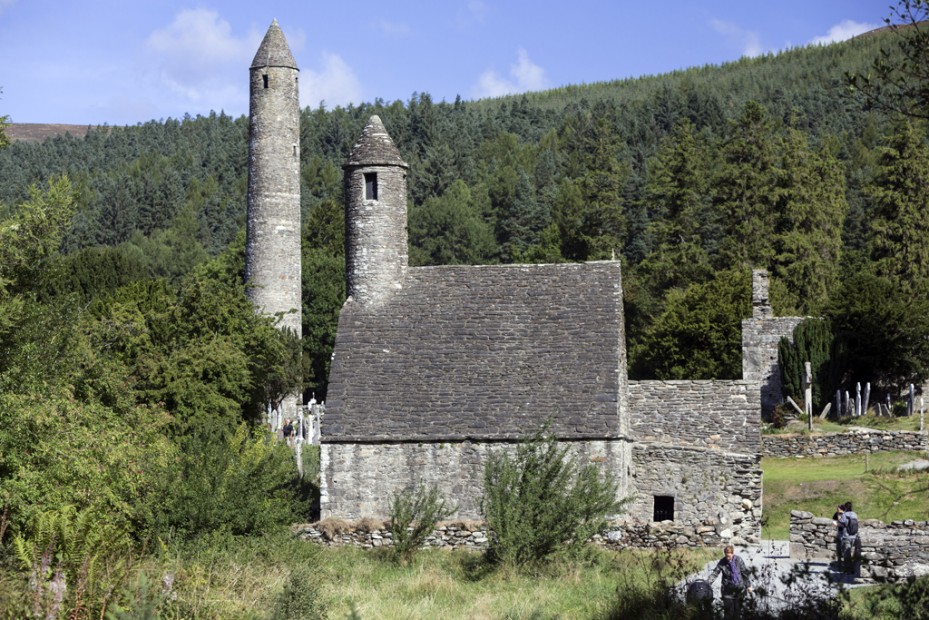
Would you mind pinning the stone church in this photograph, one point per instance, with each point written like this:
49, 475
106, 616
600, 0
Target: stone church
436, 367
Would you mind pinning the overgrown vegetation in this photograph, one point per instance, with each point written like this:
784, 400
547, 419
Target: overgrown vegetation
540, 499
414, 514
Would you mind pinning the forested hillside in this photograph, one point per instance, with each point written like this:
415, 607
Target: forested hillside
691, 178
135, 374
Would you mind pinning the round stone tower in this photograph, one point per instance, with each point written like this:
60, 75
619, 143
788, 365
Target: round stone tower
272, 250
375, 217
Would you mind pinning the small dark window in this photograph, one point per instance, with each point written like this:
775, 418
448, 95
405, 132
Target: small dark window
370, 186
265, 78
664, 508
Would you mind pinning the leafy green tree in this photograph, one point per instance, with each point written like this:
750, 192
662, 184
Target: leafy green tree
541, 499
883, 324
699, 333
449, 230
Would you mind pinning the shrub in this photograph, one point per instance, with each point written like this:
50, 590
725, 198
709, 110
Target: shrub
541, 499
301, 598
414, 514
246, 483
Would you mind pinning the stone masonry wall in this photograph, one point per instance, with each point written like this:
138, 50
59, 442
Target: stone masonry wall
760, 337
719, 415
717, 495
357, 480
472, 535
889, 552
852, 442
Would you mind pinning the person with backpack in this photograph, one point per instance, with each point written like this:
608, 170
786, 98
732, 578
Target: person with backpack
848, 536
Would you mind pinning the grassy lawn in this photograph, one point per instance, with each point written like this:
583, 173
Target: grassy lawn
886, 423
818, 485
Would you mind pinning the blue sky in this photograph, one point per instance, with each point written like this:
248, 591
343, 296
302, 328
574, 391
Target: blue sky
129, 61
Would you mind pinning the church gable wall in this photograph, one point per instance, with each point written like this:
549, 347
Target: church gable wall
718, 415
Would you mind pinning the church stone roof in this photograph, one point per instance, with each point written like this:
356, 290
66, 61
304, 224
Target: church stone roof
375, 147
482, 352
274, 51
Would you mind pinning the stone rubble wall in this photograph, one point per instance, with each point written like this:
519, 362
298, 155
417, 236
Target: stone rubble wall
760, 337
473, 535
715, 489
719, 415
852, 442
889, 552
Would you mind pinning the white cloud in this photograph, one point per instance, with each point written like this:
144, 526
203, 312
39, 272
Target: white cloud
525, 75
843, 31
473, 13
392, 29
336, 84
748, 41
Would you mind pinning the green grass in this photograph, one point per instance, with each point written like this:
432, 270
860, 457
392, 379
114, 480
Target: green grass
244, 578
818, 485
885, 423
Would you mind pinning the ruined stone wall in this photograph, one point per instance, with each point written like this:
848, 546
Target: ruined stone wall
717, 495
472, 535
760, 337
852, 442
889, 552
358, 479
719, 415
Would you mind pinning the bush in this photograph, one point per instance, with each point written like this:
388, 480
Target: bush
246, 483
414, 514
301, 599
540, 499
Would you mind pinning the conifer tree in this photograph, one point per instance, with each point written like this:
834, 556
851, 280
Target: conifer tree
899, 240
812, 209
746, 191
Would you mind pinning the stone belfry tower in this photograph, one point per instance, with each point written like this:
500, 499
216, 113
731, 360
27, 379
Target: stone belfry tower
272, 250
376, 252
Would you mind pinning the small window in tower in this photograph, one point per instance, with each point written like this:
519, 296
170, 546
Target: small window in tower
370, 186
664, 508
265, 78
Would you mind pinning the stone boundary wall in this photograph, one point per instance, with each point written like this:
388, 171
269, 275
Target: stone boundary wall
719, 415
889, 552
472, 535
834, 444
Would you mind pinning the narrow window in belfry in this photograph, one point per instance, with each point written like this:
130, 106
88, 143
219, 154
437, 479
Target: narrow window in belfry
370, 186
265, 78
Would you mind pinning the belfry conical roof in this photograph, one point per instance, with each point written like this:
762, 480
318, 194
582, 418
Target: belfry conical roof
274, 51
375, 147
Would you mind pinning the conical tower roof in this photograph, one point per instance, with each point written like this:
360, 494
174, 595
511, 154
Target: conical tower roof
274, 51
375, 147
